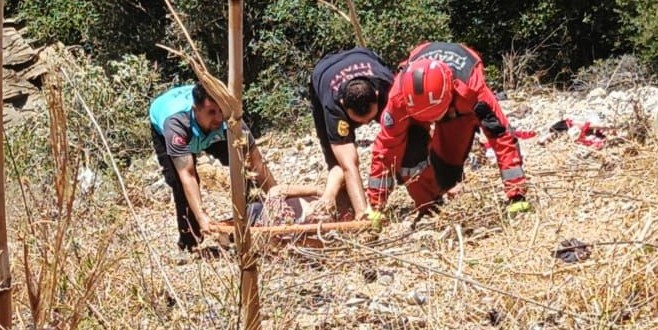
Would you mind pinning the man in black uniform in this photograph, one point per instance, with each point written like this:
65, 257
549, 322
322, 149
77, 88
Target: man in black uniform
348, 89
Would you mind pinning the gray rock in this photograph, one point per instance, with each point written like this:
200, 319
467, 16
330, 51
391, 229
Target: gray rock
381, 308
415, 298
595, 94
356, 301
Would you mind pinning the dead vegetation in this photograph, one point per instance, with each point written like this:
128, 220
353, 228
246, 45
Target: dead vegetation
468, 267
83, 260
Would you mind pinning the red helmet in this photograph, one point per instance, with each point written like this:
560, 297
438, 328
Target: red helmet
427, 89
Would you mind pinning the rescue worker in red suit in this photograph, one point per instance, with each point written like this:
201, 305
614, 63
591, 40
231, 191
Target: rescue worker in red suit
438, 100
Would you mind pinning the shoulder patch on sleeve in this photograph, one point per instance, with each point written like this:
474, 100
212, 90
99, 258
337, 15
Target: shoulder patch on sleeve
343, 128
178, 140
388, 120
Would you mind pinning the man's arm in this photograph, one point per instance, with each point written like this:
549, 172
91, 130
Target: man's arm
388, 150
348, 160
264, 177
496, 128
187, 173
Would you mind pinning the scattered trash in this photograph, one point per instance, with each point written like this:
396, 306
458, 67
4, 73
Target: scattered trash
369, 275
573, 250
495, 317
319, 300
88, 180
381, 307
588, 132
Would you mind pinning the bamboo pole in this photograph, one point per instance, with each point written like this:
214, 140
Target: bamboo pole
5, 273
307, 228
248, 266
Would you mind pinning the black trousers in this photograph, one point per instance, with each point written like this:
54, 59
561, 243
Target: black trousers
188, 227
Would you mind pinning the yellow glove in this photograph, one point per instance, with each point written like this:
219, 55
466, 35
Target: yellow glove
517, 207
375, 218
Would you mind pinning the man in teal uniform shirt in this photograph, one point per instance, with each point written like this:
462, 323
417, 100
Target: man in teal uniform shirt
185, 121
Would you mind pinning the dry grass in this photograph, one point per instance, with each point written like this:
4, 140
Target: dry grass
465, 268
83, 260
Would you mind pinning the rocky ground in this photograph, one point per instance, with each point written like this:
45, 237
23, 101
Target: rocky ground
576, 193
515, 272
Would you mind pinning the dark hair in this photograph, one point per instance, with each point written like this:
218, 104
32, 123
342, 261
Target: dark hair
359, 94
199, 93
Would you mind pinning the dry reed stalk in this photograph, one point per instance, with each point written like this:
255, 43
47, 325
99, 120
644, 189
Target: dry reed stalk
335, 9
5, 269
355, 24
137, 222
352, 18
42, 289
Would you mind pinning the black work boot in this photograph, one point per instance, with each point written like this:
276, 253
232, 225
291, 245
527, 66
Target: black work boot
432, 208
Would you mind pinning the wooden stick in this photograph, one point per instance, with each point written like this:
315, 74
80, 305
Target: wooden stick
5, 269
334, 8
187, 35
355, 23
231, 105
248, 265
343, 226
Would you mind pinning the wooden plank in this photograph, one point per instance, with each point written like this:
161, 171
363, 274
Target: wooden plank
14, 86
15, 50
32, 72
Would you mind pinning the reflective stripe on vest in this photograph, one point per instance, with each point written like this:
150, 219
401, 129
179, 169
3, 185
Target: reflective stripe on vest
379, 183
512, 173
413, 171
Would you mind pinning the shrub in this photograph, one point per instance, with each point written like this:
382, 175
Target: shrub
640, 19
106, 29
119, 99
617, 73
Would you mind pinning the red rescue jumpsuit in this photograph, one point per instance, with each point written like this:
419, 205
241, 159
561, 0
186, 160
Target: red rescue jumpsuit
401, 151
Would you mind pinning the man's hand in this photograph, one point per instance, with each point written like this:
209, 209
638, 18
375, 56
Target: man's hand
517, 205
376, 219
455, 191
205, 223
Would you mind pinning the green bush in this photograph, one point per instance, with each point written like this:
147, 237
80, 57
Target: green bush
59, 20
283, 39
119, 100
562, 36
106, 29
640, 19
